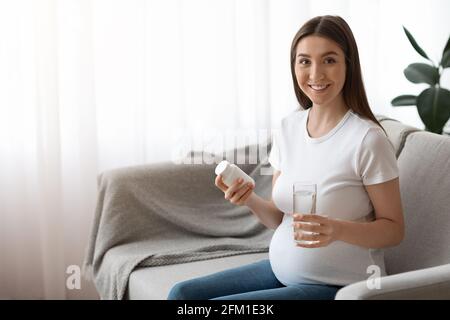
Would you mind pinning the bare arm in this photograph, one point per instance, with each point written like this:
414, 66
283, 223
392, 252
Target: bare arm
388, 227
241, 194
264, 210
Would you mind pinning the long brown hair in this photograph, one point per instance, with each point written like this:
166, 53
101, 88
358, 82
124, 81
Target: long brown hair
336, 29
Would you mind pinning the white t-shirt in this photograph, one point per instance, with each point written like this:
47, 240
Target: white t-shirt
353, 154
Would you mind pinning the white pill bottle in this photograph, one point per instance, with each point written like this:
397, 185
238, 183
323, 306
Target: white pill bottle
230, 172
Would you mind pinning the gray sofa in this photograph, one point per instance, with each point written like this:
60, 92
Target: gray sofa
419, 268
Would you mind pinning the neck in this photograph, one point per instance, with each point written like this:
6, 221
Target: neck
325, 115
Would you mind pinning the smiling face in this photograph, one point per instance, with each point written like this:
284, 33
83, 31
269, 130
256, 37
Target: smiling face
320, 70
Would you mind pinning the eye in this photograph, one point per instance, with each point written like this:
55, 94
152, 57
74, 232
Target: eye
303, 61
329, 60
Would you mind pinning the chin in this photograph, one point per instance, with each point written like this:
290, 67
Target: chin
319, 102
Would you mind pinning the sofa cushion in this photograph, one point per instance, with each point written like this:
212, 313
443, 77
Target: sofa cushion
154, 283
396, 132
424, 166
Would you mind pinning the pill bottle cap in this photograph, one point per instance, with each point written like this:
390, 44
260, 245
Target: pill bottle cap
222, 167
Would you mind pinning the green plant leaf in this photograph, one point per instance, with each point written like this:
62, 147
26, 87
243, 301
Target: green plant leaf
404, 100
433, 105
414, 44
447, 46
445, 62
422, 73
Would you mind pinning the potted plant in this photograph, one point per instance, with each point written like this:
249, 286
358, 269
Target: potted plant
433, 103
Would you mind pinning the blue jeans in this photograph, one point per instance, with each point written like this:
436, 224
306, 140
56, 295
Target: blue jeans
255, 281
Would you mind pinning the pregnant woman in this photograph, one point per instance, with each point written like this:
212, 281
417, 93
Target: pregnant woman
335, 141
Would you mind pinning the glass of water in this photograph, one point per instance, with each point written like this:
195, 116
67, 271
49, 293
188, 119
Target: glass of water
304, 201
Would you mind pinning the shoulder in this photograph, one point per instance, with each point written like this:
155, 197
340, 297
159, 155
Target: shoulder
363, 125
365, 130
371, 137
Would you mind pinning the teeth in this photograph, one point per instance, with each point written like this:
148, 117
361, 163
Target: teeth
316, 87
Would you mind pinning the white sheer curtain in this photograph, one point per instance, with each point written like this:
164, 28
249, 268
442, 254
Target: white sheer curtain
87, 86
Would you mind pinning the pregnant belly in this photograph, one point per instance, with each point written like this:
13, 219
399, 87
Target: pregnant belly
293, 265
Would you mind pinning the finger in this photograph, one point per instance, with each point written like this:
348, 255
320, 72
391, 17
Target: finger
297, 216
232, 189
238, 195
317, 228
311, 218
246, 195
312, 245
219, 183
310, 237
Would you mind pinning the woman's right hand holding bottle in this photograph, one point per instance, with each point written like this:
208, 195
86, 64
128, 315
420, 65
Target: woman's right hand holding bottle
238, 193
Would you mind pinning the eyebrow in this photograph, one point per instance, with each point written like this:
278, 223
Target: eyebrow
325, 54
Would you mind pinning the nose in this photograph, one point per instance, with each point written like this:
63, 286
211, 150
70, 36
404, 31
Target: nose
316, 73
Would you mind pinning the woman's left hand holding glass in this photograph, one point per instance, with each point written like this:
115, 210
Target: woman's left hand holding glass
325, 230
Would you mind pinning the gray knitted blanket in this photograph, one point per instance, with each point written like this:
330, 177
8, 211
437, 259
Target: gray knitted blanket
164, 214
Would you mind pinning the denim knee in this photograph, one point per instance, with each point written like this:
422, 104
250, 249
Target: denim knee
182, 291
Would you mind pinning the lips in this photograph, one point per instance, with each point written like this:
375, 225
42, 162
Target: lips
319, 87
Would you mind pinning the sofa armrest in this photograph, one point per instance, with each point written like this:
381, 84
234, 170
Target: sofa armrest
429, 283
